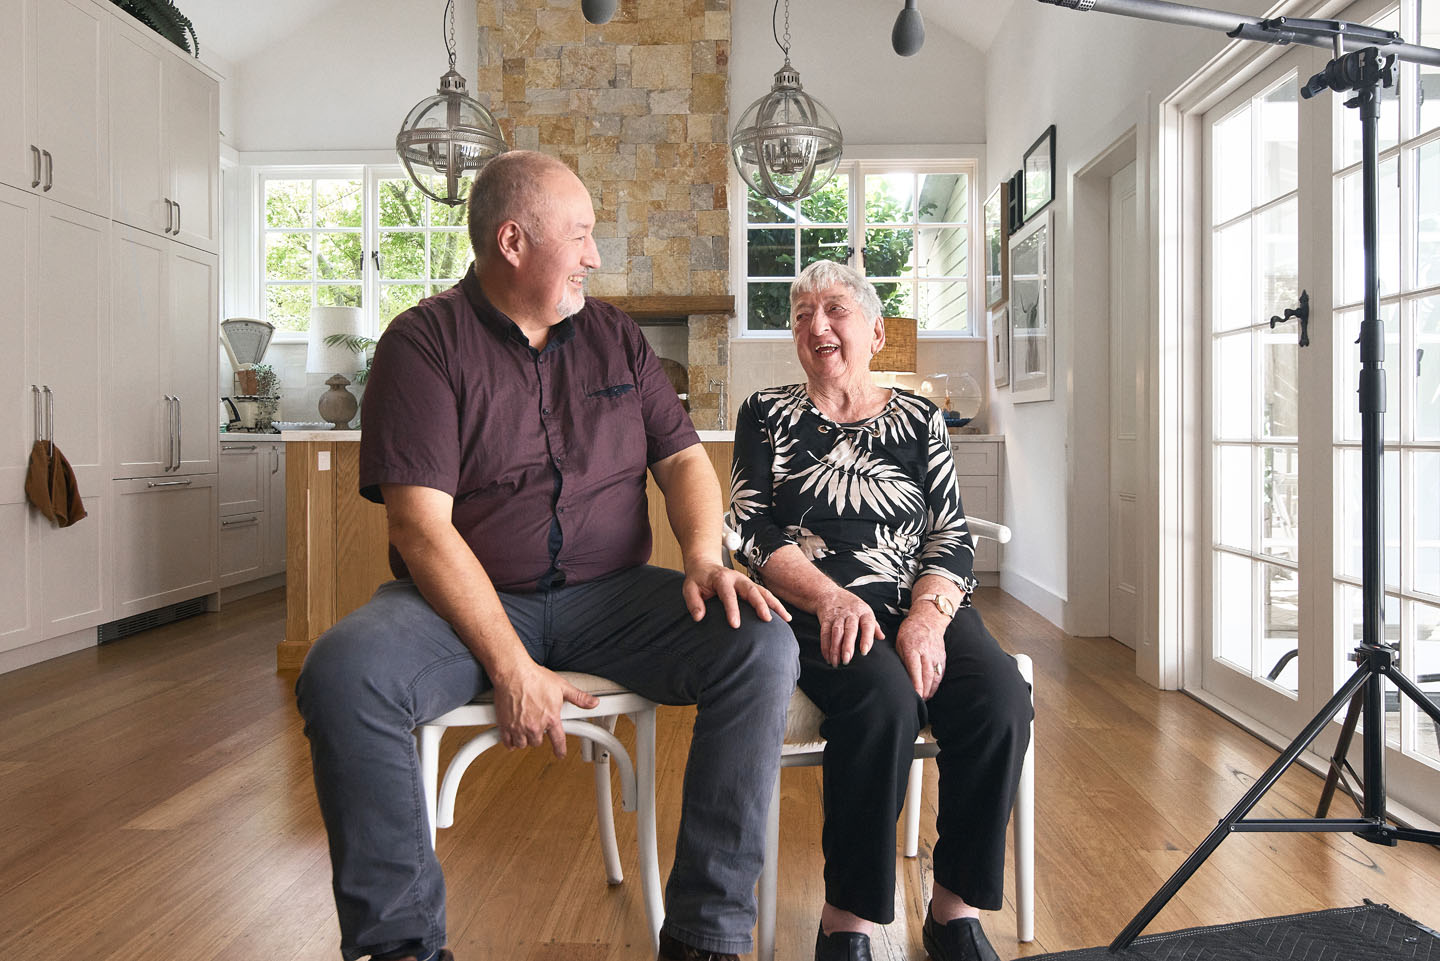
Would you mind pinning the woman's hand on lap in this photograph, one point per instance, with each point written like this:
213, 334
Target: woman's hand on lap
847, 624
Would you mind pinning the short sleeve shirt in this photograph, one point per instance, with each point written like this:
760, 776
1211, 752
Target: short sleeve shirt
544, 452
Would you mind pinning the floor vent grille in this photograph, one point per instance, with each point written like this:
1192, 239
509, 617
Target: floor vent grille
143, 622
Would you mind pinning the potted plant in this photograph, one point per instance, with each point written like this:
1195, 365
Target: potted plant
365, 346
267, 392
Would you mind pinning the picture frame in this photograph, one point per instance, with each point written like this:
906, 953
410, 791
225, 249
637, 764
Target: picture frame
1039, 174
997, 247
1000, 346
1031, 310
1014, 201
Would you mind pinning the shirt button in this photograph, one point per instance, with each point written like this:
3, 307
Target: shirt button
545, 411
562, 510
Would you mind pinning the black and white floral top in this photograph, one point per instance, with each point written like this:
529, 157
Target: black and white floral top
874, 504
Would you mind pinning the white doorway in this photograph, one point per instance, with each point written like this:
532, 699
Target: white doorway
1127, 340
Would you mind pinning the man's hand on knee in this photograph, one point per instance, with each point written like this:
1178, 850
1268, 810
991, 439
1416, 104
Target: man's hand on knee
703, 582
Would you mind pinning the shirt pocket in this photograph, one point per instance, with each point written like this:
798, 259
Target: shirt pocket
610, 428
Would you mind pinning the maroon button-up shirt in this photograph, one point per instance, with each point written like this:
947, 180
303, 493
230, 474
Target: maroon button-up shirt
545, 452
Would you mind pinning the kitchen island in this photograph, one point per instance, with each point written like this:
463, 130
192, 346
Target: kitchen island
336, 545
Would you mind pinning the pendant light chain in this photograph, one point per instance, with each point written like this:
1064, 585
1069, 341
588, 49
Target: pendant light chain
450, 40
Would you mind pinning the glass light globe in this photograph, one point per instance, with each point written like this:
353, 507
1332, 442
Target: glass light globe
446, 139
786, 144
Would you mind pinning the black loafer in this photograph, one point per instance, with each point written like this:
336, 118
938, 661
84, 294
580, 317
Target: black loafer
960, 940
841, 946
673, 949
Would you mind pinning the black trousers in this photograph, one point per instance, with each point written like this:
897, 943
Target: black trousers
980, 717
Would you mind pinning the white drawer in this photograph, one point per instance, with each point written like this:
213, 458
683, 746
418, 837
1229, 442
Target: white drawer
976, 459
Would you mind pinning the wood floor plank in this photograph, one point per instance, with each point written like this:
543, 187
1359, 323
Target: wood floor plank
155, 801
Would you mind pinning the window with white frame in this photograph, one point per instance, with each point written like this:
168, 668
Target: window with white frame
359, 236
908, 227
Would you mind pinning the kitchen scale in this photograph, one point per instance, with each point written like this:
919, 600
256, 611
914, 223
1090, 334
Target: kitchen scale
245, 340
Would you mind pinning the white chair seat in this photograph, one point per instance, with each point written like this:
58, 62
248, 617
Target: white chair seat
595, 726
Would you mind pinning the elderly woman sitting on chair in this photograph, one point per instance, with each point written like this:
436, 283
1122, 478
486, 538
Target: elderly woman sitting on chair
845, 497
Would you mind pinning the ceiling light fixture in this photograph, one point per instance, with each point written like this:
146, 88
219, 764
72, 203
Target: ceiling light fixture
598, 11
447, 138
908, 35
786, 144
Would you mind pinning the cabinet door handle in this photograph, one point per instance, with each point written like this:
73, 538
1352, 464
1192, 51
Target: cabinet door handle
37, 415
169, 215
252, 520
175, 432
179, 483
177, 218
49, 417
274, 460
35, 154
49, 169
232, 448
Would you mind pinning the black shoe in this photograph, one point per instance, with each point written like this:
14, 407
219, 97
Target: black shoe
841, 946
673, 950
960, 940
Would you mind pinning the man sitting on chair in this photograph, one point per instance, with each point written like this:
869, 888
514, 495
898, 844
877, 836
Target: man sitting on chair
509, 422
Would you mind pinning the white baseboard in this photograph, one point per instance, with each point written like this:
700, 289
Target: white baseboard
1041, 600
46, 649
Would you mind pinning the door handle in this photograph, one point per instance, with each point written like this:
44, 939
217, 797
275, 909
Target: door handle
49, 169
35, 154
169, 215
179, 483
49, 417
231, 448
37, 417
177, 218
252, 520
179, 429
274, 460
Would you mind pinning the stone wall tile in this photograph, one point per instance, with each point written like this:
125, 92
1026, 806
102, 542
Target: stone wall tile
565, 25
586, 67
660, 66
709, 94
670, 101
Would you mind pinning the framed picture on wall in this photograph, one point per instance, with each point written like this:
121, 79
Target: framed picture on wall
1032, 312
997, 251
1000, 346
1039, 168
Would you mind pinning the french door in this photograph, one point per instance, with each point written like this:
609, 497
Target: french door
1281, 534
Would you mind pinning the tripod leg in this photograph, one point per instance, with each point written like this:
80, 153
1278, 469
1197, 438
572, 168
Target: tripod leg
1342, 748
1412, 691
1262, 784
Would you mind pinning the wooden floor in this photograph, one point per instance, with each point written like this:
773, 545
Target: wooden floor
155, 803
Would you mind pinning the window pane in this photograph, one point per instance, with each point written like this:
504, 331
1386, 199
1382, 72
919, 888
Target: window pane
889, 252
402, 255
1346, 333
944, 198
288, 307
1233, 607
1426, 673
944, 252
338, 257
1277, 245
1234, 497
889, 198
287, 203
896, 299
1349, 246
1426, 484
1233, 301
1427, 369
1232, 386
771, 253
337, 203
1281, 530
401, 203
1427, 214
1277, 128
1349, 562
287, 256
1281, 387
1230, 166
769, 306
449, 254
823, 243
944, 305
1282, 627
1428, 102
828, 205
398, 298
763, 210
338, 295
444, 215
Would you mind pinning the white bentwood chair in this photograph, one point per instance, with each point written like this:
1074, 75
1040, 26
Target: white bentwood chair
595, 726
804, 747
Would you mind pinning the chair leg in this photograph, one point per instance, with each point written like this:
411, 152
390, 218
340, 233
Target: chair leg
430, 772
769, 880
1025, 827
649, 866
605, 816
911, 811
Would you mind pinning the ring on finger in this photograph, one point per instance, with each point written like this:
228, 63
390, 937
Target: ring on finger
939, 670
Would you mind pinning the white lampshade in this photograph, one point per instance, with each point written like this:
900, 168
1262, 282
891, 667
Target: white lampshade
322, 358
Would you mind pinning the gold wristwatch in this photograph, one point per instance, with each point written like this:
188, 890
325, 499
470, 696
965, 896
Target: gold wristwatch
946, 606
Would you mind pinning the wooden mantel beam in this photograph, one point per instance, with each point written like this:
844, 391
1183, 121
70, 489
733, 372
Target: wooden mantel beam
649, 307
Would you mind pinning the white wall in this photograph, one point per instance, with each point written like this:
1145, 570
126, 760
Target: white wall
1094, 76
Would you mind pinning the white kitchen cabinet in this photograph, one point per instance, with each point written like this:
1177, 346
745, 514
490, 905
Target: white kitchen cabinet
252, 508
165, 541
54, 117
977, 466
53, 581
164, 139
164, 336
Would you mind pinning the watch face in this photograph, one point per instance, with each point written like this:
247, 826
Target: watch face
947, 606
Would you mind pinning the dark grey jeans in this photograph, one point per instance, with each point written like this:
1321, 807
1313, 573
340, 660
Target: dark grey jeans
393, 664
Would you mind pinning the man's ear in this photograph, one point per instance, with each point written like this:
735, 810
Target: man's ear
510, 239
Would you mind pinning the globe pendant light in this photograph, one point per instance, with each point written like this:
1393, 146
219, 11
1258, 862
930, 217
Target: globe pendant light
786, 144
447, 138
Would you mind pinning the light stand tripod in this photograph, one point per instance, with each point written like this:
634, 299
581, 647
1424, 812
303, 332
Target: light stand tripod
1362, 71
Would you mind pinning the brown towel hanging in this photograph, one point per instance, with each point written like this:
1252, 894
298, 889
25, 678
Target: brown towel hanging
50, 485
